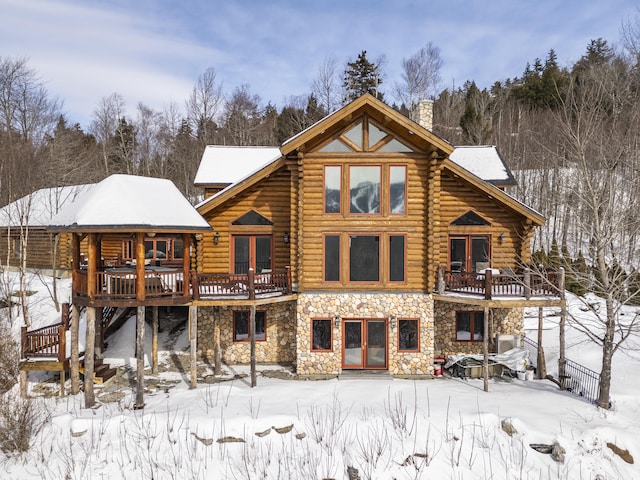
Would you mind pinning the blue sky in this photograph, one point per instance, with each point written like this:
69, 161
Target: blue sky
153, 51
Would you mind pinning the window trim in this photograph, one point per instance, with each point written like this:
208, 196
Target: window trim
380, 184
472, 322
380, 258
324, 257
404, 259
248, 312
417, 349
324, 189
311, 343
406, 187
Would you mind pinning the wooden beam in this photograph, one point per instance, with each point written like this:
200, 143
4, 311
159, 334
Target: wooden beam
89, 395
92, 266
193, 336
154, 340
485, 351
75, 351
252, 325
139, 358
140, 290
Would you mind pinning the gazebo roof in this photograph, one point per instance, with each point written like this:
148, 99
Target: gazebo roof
130, 203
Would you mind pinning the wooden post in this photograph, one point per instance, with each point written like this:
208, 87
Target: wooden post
195, 287
562, 361
23, 384
441, 283
99, 333
485, 350
488, 281
527, 283
193, 336
92, 266
252, 324
186, 265
542, 366
217, 351
140, 290
139, 358
154, 340
89, 396
75, 351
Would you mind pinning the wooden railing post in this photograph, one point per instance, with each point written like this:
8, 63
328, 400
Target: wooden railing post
289, 286
66, 314
195, 287
527, 283
23, 343
488, 283
441, 283
62, 343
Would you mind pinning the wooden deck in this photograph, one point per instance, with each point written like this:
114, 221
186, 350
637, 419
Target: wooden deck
490, 286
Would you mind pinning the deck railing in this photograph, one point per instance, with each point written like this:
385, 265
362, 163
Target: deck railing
489, 285
49, 341
207, 285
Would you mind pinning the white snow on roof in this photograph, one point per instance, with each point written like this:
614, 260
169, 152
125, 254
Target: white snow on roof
131, 201
483, 161
226, 165
38, 208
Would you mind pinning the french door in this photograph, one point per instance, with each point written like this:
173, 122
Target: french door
251, 251
469, 253
364, 344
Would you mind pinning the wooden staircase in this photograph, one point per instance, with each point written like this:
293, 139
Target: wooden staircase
101, 371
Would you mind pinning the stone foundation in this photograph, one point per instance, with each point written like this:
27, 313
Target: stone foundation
279, 346
501, 321
365, 306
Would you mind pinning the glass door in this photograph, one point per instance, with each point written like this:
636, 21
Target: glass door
352, 341
251, 251
469, 253
364, 344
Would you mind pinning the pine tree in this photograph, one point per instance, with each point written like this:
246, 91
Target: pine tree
362, 77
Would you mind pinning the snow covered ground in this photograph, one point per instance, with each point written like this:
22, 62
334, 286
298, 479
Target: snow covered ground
384, 428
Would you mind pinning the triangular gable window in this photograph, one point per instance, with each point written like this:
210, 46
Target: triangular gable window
470, 218
353, 140
252, 218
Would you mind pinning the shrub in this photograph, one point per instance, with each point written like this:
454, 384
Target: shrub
9, 357
20, 420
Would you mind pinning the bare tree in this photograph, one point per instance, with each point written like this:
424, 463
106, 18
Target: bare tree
204, 105
598, 123
147, 126
421, 78
105, 121
326, 85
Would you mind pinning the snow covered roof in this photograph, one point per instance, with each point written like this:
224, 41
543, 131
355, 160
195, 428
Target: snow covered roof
485, 162
222, 165
38, 208
126, 202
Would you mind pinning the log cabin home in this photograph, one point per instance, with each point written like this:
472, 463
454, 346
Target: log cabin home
24, 233
401, 249
364, 243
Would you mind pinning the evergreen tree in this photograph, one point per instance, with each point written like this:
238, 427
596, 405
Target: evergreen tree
362, 77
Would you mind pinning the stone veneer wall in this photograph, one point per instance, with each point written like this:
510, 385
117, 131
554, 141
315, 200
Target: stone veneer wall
501, 321
365, 306
279, 346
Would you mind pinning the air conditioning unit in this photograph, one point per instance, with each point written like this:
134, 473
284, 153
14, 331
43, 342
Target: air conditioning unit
506, 342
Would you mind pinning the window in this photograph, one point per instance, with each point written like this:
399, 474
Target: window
469, 253
178, 248
251, 251
332, 258
332, 184
155, 249
396, 258
364, 258
408, 338
397, 190
241, 328
321, 335
364, 189
470, 326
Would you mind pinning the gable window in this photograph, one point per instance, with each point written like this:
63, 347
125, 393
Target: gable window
397, 189
364, 258
396, 258
470, 326
321, 335
241, 326
364, 189
470, 219
332, 189
408, 335
332, 258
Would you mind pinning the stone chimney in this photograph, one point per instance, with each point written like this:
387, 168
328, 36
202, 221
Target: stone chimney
425, 114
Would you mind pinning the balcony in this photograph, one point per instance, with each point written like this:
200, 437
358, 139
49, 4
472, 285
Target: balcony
491, 285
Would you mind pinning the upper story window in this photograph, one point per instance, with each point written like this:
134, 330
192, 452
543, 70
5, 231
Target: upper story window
397, 189
365, 136
332, 188
158, 248
364, 189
